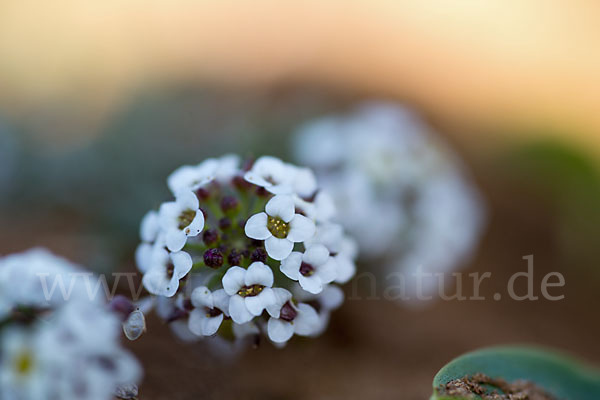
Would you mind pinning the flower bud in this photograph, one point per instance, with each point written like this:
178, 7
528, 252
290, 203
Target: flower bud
213, 258
230, 205
259, 254
210, 236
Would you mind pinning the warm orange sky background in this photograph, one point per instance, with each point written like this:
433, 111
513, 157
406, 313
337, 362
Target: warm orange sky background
519, 64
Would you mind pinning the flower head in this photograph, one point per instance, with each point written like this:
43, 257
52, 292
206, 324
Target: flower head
212, 254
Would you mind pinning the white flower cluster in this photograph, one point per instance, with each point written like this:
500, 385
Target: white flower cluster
57, 341
399, 190
245, 250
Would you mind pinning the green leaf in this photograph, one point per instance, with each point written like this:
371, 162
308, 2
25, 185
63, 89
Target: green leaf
559, 375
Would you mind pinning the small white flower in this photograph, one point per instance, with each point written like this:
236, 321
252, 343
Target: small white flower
270, 173
250, 290
313, 269
221, 169
210, 308
181, 219
280, 227
288, 319
21, 373
162, 279
281, 178
343, 249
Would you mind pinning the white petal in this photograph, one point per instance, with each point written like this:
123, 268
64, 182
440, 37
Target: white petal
195, 321
240, 331
331, 298
228, 167
279, 331
191, 178
187, 200
257, 304
181, 178
168, 215
182, 262
311, 284
258, 274
278, 249
281, 206
202, 297
149, 227
233, 280
307, 321
256, 227
176, 239
221, 300
196, 226
157, 282
305, 182
143, 257
202, 325
346, 268
328, 271
238, 310
316, 255
325, 206
301, 229
283, 189
330, 235
256, 179
210, 326
291, 265
282, 296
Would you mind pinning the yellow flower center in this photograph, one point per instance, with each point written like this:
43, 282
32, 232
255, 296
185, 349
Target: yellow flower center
24, 363
249, 291
186, 218
277, 227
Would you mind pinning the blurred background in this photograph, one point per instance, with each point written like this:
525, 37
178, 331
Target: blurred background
99, 102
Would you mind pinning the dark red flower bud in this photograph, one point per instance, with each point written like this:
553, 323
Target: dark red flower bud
213, 258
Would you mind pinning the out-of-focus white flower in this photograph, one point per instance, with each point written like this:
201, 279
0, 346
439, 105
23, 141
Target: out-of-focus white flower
288, 319
280, 227
250, 290
312, 270
181, 219
58, 347
210, 309
399, 190
167, 269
